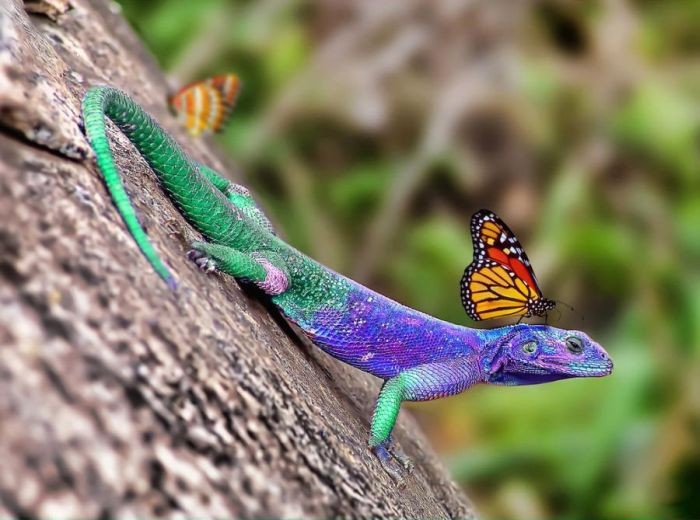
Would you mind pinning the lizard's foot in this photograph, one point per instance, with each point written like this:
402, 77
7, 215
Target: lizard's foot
206, 264
393, 468
393, 460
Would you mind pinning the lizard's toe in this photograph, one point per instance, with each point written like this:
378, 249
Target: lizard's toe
400, 455
203, 262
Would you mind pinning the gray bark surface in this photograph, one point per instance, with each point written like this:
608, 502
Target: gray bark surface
119, 397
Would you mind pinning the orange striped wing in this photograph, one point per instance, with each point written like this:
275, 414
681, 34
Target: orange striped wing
229, 86
489, 291
205, 106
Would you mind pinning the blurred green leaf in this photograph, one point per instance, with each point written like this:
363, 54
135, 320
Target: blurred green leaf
662, 124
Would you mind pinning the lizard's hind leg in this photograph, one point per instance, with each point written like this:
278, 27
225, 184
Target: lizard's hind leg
239, 196
265, 269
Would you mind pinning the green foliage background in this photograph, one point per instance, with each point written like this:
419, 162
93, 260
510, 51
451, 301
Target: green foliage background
371, 133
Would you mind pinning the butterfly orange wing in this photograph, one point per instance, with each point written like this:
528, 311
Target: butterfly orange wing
205, 106
229, 86
500, 281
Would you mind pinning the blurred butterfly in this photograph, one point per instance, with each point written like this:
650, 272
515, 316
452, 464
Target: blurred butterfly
206, 105
500, 281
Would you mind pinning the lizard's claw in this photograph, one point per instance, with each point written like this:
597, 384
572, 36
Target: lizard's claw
400, 455
394, 461
206, 264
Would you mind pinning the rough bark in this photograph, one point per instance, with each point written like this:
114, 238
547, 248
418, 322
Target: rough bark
118, 396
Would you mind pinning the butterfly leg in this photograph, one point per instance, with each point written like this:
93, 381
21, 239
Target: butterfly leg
528, 314
239, 196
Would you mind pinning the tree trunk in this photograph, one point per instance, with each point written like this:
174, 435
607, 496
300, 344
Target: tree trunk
119, 397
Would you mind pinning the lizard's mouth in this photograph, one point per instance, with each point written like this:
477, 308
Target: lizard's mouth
567, 368
523, 372
598, 368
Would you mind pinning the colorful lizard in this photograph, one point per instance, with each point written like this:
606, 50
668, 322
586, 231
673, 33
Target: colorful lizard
419, 357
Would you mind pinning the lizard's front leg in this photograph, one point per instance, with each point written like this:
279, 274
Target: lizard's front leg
383, 420
421, 383
265, 269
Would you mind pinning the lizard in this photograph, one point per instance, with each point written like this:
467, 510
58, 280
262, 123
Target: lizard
418, 357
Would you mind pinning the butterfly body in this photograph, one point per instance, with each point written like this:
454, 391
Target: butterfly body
205, 106
500, 281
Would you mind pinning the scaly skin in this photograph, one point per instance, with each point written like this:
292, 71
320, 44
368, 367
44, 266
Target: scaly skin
418, 356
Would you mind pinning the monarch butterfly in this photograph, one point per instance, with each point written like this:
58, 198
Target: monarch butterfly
500, 281
205, 105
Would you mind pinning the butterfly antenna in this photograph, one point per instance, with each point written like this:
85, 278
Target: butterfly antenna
570, 308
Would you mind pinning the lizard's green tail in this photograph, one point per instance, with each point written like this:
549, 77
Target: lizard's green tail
204, 206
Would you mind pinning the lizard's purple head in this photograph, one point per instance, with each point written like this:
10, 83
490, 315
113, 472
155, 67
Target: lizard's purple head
532, 354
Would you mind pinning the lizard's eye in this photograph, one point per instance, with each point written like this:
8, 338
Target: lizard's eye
530, 347
574, 345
